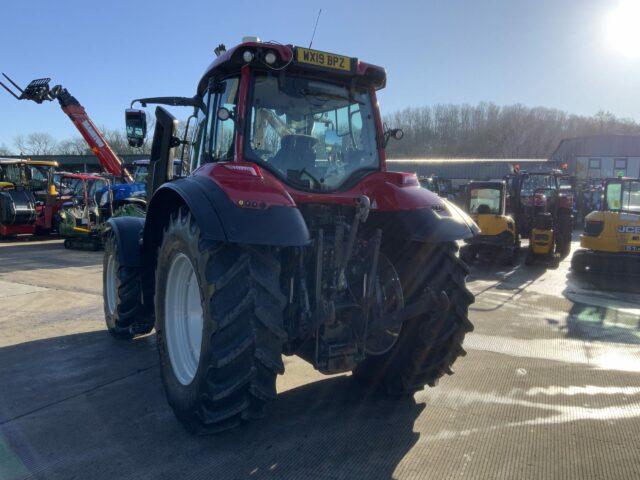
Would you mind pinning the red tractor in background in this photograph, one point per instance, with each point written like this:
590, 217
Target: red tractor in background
543, 212
29, 201
289, 237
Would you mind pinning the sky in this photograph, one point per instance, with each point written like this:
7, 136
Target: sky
553, 53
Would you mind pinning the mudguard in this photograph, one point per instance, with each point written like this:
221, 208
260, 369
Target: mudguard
220, 219
127, 232
438, 224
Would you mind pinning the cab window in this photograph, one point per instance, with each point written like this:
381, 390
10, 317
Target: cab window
484, 201
223, 135
614, 195
198, 139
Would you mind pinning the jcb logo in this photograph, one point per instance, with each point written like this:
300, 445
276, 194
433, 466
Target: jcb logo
628, 229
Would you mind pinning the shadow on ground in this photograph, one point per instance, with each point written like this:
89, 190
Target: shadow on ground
86, 406
35, 255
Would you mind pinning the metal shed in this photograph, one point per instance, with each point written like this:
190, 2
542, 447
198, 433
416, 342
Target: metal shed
462, 170
600, 156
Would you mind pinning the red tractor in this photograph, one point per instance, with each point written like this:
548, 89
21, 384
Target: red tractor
29, 201
288, 237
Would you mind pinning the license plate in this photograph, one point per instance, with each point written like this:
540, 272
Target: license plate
323, 59
632, 248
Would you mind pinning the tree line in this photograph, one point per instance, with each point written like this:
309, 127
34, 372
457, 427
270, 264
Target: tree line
487, 130
443, 130
42, 143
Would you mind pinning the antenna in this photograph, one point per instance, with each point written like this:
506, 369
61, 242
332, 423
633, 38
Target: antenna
314, 28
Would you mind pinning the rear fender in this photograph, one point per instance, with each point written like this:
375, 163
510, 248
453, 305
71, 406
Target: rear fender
221, 219
127, 232
437, 224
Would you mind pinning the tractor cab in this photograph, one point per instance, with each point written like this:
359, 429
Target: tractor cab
31, 175
498, 238
611, 238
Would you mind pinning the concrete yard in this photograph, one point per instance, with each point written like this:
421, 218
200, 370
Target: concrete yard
550, 388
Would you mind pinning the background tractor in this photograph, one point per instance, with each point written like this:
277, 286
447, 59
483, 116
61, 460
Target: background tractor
28, 197
543, 213
498, 238
441, 186
611, 238
80, 219
289, 237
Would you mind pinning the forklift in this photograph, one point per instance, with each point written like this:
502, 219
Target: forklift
611, 238
498, 238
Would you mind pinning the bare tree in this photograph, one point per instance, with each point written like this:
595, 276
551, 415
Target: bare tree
73, 146
4, 150
36, 143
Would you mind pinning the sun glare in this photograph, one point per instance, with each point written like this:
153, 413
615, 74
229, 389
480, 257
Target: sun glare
623, 28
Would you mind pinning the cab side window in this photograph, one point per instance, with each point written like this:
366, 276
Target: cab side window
198, 139
224, 132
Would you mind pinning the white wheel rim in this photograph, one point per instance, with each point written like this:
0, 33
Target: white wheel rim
183, 318
110, 284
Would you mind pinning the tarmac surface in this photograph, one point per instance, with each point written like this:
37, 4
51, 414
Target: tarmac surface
550, 388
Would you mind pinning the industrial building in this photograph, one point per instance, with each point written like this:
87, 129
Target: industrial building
600, 156
463, 170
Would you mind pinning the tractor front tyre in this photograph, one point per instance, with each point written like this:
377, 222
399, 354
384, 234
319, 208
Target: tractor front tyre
122, 295
219, 323
429, 344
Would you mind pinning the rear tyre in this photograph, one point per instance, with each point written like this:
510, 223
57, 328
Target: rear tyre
220, 341
530, 258
468, 254
564, 234
122, 295
428, 344
509, 255
578, 263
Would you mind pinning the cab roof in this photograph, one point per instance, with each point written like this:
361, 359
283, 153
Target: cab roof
231, 61
28, 161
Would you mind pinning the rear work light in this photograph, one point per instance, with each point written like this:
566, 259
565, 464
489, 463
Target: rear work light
251, 170
403, 179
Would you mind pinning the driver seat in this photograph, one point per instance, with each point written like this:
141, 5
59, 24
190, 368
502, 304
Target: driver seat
296, 152
483, 209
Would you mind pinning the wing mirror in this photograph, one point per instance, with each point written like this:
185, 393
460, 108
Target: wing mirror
395, 133
224, 114
136, 122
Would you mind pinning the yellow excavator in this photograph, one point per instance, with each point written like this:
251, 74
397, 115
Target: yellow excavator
498, 238
611, 239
